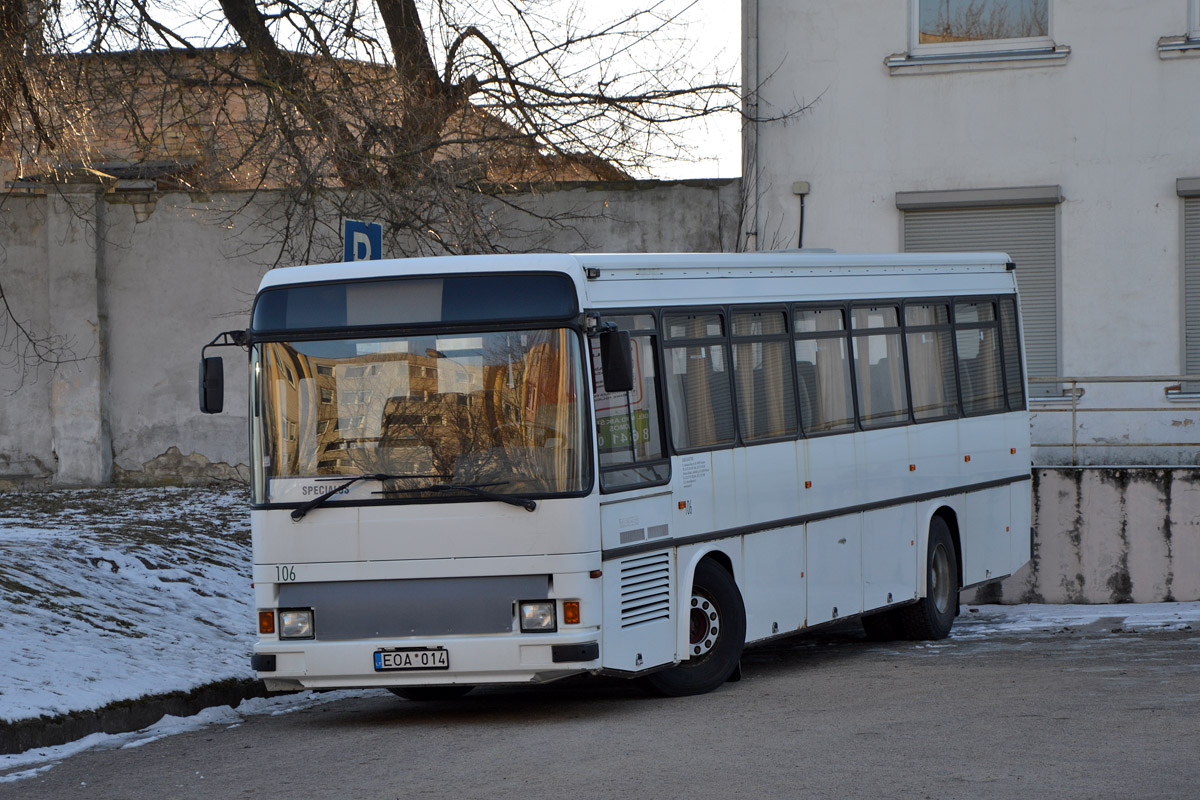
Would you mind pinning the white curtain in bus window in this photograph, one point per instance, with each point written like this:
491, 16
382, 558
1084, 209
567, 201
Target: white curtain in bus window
930, 360
548, 411
879, 365
823, 370
977, 342
698, 388
1009, 339
762, 376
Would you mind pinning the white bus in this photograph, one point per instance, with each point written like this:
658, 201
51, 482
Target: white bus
446, 493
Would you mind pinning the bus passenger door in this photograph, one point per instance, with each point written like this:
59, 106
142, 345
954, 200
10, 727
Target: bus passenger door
640, 585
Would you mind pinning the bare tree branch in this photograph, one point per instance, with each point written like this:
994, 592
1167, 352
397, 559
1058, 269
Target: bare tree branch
410, 112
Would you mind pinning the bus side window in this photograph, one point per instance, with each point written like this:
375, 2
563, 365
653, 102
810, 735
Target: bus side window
698, 386
930, 360
629, 429
879, 365
1010, 344
823, 370
766, 404
977, 346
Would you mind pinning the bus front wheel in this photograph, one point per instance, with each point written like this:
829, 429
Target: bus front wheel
932, 616
716, 635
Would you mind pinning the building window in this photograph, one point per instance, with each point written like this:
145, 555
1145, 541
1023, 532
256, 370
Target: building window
979, 26
1019, 221
1194, 19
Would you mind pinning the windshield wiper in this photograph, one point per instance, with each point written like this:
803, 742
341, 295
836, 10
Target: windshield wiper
471, 488
299, 512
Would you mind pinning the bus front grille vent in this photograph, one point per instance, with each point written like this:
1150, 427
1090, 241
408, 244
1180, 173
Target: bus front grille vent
645, 589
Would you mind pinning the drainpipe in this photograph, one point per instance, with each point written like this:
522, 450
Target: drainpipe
750, 89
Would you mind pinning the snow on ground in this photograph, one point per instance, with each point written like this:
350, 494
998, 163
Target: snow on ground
977, 621
111, 594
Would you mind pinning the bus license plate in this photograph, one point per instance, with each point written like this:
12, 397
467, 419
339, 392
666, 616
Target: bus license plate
412, 658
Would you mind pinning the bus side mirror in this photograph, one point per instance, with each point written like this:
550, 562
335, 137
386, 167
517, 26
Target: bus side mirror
616, 366
212, 385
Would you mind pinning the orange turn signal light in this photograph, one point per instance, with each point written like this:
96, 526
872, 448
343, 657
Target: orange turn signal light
266, 622
571, 612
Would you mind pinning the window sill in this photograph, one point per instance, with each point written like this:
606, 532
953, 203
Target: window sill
1170, 47
908, 64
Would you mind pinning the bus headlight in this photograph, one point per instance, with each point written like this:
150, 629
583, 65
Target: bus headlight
296, 623
537, 616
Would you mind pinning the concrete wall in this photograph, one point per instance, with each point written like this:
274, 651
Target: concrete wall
1109, 536
137, 285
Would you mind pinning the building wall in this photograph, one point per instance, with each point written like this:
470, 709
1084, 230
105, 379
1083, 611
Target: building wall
138, 284
1109, 118
26, 447
1112, 120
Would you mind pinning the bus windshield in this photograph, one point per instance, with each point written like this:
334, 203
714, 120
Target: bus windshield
494, 410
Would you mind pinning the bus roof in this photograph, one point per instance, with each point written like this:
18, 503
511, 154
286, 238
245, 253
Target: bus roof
632, 266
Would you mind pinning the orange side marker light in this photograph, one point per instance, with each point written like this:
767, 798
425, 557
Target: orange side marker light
571, 612
266, 622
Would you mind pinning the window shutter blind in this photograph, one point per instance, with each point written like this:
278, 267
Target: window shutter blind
1191, 289
1029, 235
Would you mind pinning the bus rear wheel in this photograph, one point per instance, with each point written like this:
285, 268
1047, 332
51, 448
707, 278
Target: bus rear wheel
431, 694
932, 616
716, 635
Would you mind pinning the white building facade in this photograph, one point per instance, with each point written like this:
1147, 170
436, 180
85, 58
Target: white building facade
1064, 132
1067, 134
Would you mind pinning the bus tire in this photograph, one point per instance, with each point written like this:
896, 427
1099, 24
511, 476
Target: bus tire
716, 635
431, 694
932, 616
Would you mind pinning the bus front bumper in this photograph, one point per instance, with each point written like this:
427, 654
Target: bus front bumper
471, 660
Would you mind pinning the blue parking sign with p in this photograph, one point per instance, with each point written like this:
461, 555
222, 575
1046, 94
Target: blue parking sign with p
363, 241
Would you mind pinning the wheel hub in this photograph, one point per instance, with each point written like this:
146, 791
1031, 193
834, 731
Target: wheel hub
704, 627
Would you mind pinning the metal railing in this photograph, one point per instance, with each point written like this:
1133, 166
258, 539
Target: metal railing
1072, 395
